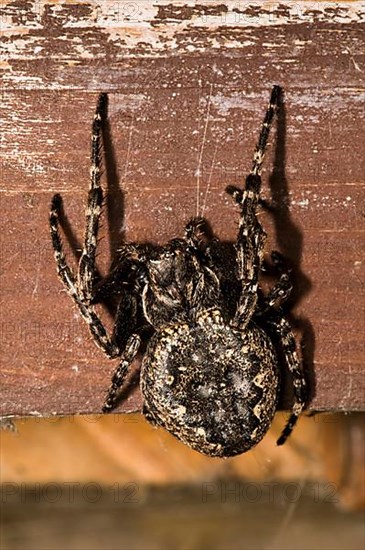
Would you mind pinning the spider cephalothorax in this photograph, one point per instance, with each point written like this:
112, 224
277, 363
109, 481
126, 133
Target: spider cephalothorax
209, 375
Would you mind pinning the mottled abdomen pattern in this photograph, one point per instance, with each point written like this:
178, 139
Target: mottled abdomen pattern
210, 385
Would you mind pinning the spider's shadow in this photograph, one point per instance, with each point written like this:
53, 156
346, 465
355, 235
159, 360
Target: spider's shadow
114, 201
290, 241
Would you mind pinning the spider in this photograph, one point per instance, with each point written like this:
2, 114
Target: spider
209, 376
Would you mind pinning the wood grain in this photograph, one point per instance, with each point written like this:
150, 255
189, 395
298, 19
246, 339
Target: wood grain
187, 87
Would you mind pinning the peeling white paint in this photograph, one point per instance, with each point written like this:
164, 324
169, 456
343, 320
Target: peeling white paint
136, 24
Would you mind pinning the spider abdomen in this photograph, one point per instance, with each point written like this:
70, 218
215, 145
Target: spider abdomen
210, 385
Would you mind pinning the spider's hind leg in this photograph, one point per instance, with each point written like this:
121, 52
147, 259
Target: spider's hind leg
130, 352
281, 330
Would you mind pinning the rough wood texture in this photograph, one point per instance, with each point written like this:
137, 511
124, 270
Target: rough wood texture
187, 86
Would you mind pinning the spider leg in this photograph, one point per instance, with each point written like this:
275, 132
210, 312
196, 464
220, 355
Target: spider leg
63, 270
279, 293
126, 318
249, 249
129, 269
258, 157
86, 269
195, 232
87, 311
284, 333
282, 289
204, 293
251, 235
80, 289
201, 240
129, 353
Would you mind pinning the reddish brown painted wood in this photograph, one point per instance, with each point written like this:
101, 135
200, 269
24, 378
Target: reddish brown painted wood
187, 89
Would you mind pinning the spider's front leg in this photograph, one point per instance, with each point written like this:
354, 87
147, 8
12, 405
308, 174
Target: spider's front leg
81, 287
86, 270
249, 248
251, 235
196, 233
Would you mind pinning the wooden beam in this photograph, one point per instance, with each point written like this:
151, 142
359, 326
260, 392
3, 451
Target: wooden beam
188, 84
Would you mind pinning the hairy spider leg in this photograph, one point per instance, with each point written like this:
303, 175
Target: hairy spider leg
81, 289
283, 330
258, 157
86, 271
194, 230
196, 234
251, 235
282, 289
250, 244
87, 311
207, 290
63, 270
127, 357
279, 293
249, 249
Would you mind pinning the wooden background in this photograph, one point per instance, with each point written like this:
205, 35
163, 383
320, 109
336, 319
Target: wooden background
188, 84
